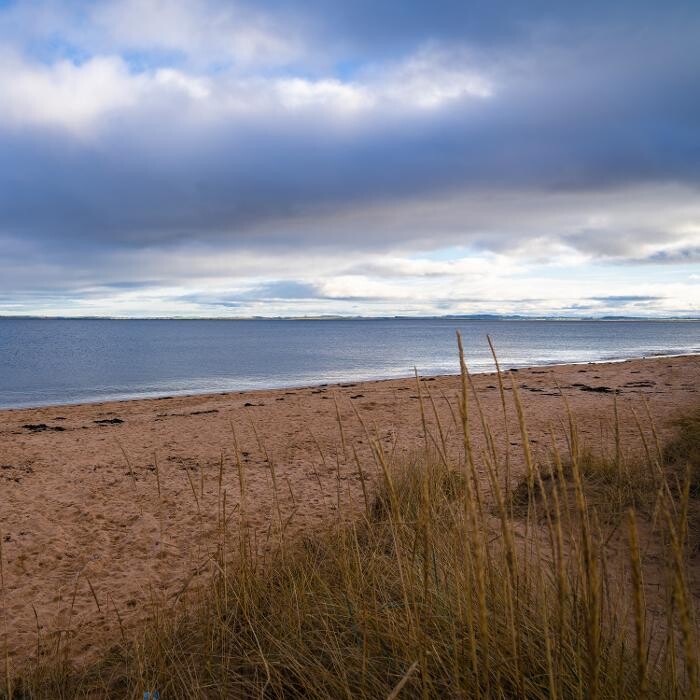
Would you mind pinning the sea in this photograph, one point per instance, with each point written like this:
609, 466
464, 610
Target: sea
64, 361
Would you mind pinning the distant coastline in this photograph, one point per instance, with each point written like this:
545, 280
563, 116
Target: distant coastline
456, 317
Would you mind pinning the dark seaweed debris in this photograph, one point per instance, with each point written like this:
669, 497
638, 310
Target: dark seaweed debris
41, 427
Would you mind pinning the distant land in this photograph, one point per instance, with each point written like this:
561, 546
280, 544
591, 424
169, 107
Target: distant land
329, 317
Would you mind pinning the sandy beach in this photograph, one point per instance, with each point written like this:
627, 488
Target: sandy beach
86, 535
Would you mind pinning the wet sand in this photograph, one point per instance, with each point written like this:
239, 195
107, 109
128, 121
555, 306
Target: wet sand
85, 532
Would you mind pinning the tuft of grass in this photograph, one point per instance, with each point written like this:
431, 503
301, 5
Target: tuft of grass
682, 454
441, 588
683, 451
611, 486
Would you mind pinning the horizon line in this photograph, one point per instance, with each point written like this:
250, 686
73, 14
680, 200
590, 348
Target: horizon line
359, 317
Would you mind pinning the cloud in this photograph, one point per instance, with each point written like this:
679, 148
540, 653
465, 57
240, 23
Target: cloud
197, 33
200, 30
90, 94
174, 142
624, 299
65, 94
675, 256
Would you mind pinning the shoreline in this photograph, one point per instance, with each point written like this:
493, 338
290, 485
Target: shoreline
126, 495
158, 396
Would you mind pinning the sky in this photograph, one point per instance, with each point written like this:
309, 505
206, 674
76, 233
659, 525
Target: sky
293, 158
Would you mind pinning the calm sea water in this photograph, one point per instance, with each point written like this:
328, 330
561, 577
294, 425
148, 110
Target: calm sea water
70, 361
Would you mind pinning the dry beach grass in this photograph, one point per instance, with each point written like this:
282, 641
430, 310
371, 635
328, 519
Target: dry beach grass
534, 539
